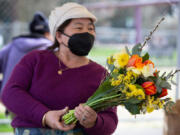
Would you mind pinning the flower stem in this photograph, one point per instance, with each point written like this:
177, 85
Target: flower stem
91, 104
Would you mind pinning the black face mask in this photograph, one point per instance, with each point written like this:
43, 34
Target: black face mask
81, 43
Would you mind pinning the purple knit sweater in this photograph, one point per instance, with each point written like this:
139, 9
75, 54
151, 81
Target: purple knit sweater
35, 88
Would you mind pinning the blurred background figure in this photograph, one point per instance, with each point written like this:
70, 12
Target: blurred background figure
38, 38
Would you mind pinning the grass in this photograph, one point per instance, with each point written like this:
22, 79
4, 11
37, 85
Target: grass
5, 127
2, 116
103, 51
99, 54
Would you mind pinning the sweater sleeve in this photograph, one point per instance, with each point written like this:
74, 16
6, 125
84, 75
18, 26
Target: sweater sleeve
16, 96
106, 123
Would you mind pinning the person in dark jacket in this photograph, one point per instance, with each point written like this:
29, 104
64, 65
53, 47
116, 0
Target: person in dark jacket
39, 38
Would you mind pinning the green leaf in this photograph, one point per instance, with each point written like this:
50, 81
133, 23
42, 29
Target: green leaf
165, 84
127, 50
138, 86
145, 57
122, 71
132, 108
114, 75
152, 78
102, 90
158, 81
137, 49
140, 80
133, 100
159, 89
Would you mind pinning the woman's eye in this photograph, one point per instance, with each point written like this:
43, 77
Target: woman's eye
79, 28
91, 29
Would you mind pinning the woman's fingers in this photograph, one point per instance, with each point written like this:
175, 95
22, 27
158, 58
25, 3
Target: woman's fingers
86, 115
78, 112
53, 120
89, 110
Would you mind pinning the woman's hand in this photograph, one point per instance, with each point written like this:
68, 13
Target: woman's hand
86, 115
52, 119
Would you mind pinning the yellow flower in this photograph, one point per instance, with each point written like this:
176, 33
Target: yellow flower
150, 109
141, 94
121, 59
135, 92
132, 87
115, 82
158, 103
161, 104
115, 70
110, 60
127, 79
130, 76
153, 103
120, 77
150, 99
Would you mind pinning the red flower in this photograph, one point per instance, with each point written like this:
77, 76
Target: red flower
149, 87
164, 92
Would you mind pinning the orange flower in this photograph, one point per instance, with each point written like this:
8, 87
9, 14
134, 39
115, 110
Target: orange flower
135, 61
149, 87
132, 61
149, 62
164, 92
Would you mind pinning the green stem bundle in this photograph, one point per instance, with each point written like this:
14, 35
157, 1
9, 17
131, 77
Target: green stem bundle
96, 105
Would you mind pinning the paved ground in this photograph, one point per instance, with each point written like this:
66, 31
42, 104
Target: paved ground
149, 124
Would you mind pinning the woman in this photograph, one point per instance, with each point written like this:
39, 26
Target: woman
45, 84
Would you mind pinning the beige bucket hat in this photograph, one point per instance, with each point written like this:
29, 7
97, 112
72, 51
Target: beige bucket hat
67, 11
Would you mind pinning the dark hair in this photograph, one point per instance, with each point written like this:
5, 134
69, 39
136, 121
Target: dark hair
60, 29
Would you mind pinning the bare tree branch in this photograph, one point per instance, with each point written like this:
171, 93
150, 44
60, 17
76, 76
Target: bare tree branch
151, 32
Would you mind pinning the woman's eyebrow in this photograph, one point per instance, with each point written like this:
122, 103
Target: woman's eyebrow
78, 23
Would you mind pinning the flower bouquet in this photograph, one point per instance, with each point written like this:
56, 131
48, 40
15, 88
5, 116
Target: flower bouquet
133, 82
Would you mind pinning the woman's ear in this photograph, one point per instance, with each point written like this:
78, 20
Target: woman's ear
58, 37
